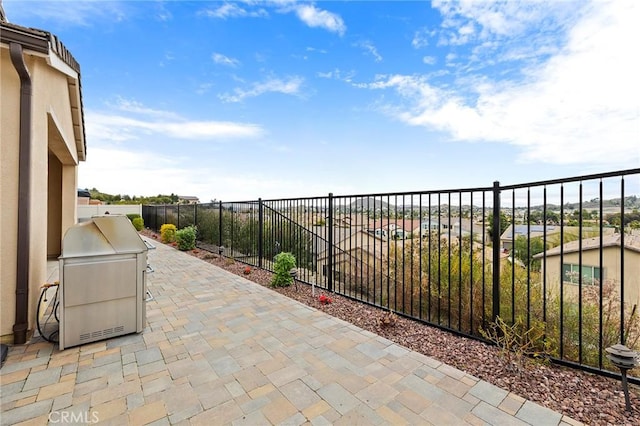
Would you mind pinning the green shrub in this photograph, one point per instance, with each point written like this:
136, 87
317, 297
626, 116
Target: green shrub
284, 262
168, 233
132, 216
138, 223
186, 238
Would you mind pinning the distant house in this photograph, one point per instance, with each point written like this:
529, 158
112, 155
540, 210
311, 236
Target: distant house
354, 257
188, 199
455, 228
320, 237
341, 221
84, 196
430, 225
400, 234
514, 231
379, 232
552, 233
398, 229
563, 264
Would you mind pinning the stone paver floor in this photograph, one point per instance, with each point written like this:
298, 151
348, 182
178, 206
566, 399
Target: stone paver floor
219, 349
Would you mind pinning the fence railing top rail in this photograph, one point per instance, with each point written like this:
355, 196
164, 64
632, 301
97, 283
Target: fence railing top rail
594, 176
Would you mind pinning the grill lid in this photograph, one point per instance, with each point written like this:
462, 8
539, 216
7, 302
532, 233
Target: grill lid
102, 235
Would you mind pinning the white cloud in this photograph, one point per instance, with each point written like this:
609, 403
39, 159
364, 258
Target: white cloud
168, 58
219, 58
68, 12
129, 105
140, 121
429, 60
148, 173
498, 18
450, 58
317, 18
313, 49
204, 88
371, 49
233, 10
506, 33
290, 86
306, 12
421, 38
581, 106
163, 14
337, 74
118, 128
171, 166
144, 173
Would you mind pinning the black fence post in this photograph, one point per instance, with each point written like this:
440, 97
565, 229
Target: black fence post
231, 236
330, 245
220, 226
260, 232
495, 240
178, 216
623, 338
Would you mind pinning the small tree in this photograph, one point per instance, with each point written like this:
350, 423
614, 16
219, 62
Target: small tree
284, 263
525, 249
505, 221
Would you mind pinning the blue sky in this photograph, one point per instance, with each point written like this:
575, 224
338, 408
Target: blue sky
246, 99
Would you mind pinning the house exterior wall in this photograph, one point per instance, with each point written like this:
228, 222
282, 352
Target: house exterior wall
54, 207
52, 133
611, 271
365, 240
9, 131
360, 248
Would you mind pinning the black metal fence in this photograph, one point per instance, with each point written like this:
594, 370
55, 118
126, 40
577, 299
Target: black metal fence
557, 260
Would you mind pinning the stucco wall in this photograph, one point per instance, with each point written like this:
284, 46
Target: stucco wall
50, 99
9, 107
611, 271
54, 200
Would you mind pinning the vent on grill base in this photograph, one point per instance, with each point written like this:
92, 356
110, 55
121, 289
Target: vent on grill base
101, 333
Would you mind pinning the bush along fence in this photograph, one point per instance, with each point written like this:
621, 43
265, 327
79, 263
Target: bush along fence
556, 262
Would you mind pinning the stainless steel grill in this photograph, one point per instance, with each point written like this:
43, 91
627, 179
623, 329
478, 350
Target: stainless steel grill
102, 281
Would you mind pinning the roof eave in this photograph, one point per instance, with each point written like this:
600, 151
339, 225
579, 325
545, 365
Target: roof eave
45, 43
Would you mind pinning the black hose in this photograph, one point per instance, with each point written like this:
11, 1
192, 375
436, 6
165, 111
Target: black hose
54, 308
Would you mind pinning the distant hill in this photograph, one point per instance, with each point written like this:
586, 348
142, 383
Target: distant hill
126, 199
368, 204
630, 202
